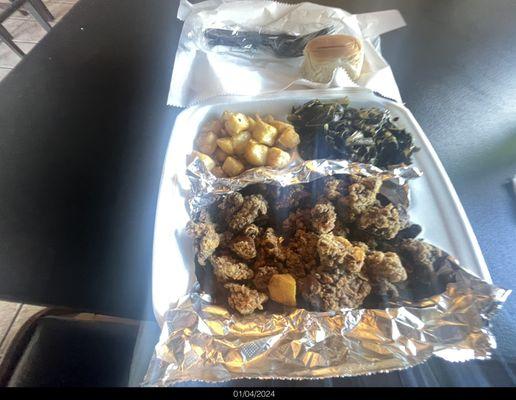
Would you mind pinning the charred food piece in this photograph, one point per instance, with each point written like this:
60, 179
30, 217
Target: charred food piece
244, 247
245, 300
323, 217
361, 196
420, 258
338, 252
206, 237
226, 268
327, 291
253, 207
263, 276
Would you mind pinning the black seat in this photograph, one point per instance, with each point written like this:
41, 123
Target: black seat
68, 351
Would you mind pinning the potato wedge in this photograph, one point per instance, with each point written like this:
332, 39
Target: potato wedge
235, 123
239, 142
282, 289
256, 154
226, 145
232, 166
277, 158
263, 132
206, 142
206, 159
288, 138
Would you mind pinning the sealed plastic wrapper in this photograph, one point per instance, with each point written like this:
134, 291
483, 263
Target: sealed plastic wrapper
203, 341
326, 54
241, 47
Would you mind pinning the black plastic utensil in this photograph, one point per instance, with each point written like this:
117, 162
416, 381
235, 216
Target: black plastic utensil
282, 44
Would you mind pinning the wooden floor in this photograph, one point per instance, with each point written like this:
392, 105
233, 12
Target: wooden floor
27, 32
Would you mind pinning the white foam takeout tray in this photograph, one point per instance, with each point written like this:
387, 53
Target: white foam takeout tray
434, 202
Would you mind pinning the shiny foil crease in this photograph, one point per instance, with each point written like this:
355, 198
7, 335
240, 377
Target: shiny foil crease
204, 188
201, 341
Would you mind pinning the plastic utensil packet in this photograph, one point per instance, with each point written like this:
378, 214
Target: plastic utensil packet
242, 47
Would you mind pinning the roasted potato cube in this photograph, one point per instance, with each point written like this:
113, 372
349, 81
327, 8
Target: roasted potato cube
288, 139
232, 166
206, 142
219, 155
206, 159
282, 289
240, 142
226, 145
264, 133
235, 123
251, 121
256, 154
268, 118
277, 158
214, 126
280, 125
218, 172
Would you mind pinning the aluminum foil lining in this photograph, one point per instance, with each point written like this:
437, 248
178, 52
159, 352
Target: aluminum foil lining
205, 188
201, 341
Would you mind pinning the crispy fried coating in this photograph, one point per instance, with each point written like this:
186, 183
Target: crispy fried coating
270, 250
253, 207
272, 244
298, 219
294, 264
340, 229
244, 247
361, 196
332, 291
252, 231
338, 252
245, 300
302, 252
384, 266
334, 188
206, 237
226, 268
231, 204
362, 193
330, 248
323, 217
382, 222
263, 276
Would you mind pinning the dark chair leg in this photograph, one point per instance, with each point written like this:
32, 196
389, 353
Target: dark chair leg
22, 12
5, 33
40, 13
9, 42
42, 9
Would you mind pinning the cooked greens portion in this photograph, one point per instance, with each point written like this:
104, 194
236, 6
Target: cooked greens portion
337, 131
